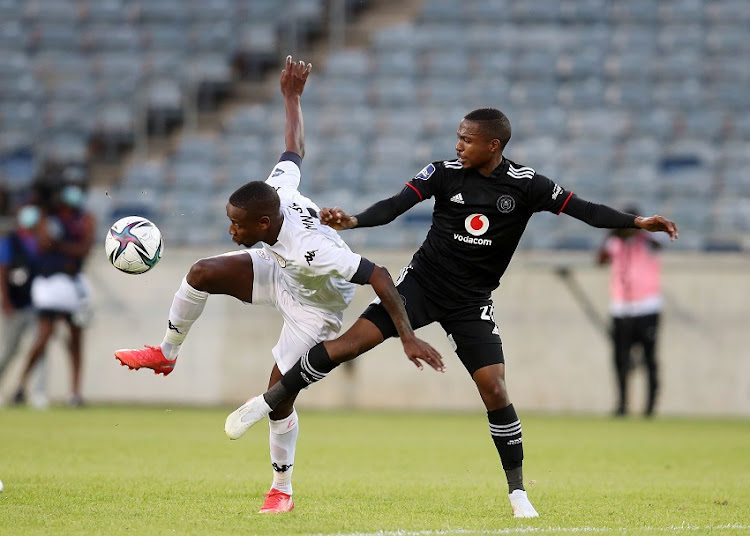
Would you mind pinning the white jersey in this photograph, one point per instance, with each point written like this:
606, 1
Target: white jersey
316, 264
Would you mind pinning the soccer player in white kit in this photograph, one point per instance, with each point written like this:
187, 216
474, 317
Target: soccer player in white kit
303, 268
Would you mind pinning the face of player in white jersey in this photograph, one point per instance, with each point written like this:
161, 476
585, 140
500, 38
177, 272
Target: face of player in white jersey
248, 229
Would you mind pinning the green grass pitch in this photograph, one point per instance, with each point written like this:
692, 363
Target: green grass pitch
122, 470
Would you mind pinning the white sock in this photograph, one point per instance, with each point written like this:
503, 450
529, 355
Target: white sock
187, 306
283, 443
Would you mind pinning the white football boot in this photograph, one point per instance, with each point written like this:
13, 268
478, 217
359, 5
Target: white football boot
241, 419
520, 505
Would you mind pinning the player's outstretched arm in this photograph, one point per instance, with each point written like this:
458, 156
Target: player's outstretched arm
380, 213
602, 216
293, 79
416, 349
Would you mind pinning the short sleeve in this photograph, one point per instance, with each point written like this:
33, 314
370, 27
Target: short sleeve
286, 174
5, 253
329, 258
546, 195
426, 182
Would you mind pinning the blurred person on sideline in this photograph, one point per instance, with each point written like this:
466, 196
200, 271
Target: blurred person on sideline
302, 268
483, 202
19, 253
635, 305
60, 291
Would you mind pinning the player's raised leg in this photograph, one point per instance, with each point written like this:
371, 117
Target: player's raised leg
230, 273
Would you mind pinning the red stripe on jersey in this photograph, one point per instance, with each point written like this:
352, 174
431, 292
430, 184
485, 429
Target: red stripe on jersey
566, 202
412, 187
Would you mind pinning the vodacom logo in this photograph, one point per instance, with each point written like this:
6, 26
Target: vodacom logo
476, 224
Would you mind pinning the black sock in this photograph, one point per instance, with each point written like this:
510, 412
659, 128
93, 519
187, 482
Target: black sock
311, 367
505, 429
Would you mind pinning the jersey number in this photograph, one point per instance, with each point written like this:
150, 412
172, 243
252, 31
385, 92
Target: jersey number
488, 313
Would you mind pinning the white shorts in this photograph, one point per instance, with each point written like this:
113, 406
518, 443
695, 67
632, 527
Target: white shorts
304, 326
60, 293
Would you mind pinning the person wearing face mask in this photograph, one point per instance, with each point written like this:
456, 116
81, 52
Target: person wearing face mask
19, 252
61, 291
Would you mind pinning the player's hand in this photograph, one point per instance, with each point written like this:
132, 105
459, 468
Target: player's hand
293, 77
658, 223
336, 218
417, 351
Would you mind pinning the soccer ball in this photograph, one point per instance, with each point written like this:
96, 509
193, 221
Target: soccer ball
133, 245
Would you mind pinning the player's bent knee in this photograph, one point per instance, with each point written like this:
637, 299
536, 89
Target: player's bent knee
202, 273
494, 394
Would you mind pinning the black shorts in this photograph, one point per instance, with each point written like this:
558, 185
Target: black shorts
54, 314
470, 327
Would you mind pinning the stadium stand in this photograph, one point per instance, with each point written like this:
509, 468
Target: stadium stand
613, 99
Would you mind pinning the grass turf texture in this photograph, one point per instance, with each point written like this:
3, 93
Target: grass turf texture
120, 470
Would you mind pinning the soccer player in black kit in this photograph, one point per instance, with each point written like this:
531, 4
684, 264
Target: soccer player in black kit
483, 202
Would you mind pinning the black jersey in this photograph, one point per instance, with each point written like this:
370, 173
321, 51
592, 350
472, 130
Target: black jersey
477, 223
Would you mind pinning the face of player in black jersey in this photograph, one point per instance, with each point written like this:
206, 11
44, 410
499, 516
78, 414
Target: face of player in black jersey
475, 150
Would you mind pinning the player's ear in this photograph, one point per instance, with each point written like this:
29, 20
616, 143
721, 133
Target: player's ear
495, 145
264, 222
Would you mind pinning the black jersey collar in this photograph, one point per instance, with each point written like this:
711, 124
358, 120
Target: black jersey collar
501, 169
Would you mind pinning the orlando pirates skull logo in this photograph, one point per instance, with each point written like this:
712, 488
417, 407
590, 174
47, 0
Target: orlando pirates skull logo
505, 204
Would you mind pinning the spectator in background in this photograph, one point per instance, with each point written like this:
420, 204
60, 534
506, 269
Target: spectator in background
635, 304
60, 291
19, 252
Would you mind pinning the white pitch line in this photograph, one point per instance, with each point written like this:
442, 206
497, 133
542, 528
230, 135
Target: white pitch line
546, 530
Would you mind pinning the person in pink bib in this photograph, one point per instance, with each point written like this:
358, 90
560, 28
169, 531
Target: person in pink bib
635, 306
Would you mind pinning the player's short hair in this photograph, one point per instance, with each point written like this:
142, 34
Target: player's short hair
256, 197
493, 123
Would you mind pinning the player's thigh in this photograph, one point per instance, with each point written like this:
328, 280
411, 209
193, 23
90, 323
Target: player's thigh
232, 274
474, 336
303, 328
417, 307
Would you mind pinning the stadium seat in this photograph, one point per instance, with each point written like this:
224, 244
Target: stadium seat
213, 36
255, 50
208, 11
584, 11
14, 35
107, 11
728, 11
634, 11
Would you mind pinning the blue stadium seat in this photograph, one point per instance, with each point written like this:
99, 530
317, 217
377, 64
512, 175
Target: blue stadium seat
534, 64
681, 11
634, 38
54, 11
727, 40
633, 95
347, 63
213, 36
584, 63
534, 11
107, 11
728, 11
534, 93
101, 37
144, 174
14, 35
586, 93
584, 11
207, 11
394, 38
634, 11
